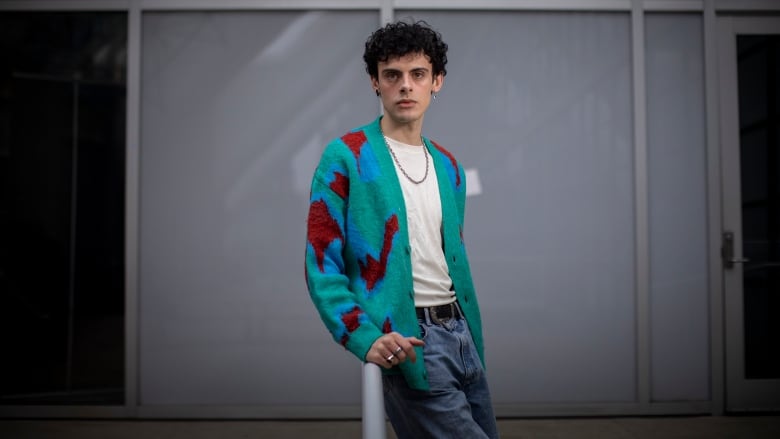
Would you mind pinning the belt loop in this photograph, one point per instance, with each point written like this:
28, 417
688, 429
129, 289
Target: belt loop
457, 308
427, 313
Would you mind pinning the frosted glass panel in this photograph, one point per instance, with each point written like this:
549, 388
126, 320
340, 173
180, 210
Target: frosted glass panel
678, 209
539, 105
236, 108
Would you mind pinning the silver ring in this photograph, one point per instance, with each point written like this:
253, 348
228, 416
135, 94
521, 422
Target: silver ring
398, 350
390, 358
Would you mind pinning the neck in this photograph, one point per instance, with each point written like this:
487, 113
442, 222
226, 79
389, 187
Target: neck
409, 133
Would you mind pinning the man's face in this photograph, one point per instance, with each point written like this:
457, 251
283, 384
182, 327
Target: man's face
405, 85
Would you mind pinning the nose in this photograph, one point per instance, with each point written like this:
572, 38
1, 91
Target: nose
406, 83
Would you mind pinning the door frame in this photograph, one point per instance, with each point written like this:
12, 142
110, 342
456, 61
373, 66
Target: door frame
740, 394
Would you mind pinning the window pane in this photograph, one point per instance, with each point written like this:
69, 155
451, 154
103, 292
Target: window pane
62, 119
759, 158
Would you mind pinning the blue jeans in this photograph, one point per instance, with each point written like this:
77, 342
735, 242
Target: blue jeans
458, 404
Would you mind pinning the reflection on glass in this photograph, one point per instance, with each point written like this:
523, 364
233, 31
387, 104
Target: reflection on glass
62, 128
759, 90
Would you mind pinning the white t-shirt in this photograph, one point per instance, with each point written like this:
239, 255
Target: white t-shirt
432, 282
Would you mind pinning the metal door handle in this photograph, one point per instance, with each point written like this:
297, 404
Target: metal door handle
727, 251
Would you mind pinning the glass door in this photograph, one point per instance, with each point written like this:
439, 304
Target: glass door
749, 54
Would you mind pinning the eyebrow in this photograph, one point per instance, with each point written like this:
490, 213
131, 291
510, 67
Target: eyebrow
415, 69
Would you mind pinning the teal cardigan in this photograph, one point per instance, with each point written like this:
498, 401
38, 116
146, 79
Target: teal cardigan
358, 258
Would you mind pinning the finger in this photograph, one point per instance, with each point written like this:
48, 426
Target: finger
400, 353
411, 352
382, 360
389, 358
388, 347
379, 354
415, 341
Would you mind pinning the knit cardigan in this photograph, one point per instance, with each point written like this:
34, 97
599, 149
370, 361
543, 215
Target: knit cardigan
358, 259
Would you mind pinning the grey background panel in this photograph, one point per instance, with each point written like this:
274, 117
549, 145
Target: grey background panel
678, 211
236, 108
539, 104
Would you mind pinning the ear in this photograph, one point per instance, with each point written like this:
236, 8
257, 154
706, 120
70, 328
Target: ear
438, 82
374, 84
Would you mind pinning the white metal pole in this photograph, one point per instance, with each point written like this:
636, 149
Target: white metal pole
373, 403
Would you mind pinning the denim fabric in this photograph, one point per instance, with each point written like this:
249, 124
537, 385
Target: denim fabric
458, 404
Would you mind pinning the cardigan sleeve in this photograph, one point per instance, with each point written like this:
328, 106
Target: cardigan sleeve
325, 268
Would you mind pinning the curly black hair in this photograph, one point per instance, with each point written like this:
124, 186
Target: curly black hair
401, 38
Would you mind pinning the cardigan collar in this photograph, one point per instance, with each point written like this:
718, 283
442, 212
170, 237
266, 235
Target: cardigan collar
440, 162
379, 147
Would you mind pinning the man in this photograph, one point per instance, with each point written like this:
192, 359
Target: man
386, 264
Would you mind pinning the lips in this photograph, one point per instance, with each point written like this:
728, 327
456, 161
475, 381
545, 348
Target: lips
406, 102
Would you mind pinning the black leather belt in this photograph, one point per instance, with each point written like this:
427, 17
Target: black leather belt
440, 313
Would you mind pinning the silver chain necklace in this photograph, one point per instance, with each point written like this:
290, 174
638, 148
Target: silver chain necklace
403, 171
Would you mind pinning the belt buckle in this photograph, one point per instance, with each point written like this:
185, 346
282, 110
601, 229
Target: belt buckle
435, 316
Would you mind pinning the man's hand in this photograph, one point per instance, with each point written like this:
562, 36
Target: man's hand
392, 349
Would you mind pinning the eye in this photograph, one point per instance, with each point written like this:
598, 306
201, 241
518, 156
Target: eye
391, 76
